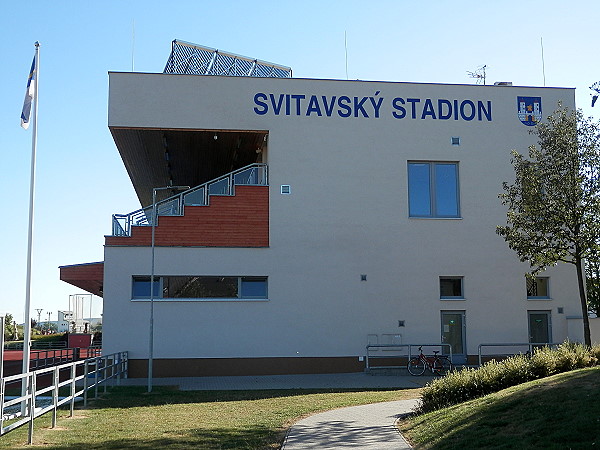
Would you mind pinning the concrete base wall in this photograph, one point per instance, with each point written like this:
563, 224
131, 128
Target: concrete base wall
205, 367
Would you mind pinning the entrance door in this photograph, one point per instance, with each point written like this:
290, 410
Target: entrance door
453, 333
540, 331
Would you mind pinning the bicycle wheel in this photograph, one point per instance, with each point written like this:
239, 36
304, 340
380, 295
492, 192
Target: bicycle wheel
442, 365
416, 367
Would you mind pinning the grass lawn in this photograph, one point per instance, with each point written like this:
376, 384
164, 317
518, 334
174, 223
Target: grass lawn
561, 412
130, 418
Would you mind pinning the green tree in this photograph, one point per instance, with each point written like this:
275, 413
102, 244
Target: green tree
9, 328
554, 203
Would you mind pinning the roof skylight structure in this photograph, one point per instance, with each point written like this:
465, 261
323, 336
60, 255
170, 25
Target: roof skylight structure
192, 59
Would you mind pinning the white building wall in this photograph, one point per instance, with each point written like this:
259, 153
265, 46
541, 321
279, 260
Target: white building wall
347, 215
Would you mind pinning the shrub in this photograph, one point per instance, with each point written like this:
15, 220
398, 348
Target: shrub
463, 385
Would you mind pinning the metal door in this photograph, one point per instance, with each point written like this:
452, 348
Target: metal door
540, 330
453, 333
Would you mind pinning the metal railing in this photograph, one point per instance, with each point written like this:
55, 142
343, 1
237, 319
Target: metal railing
253, 175
35, 344
397, 348
529, 345
77, 377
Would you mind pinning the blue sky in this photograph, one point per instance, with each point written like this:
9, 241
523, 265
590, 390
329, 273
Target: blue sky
81, 180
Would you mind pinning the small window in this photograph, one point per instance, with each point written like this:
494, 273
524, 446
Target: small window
254, 287
433, 189
451, 288
141, 287
537, 288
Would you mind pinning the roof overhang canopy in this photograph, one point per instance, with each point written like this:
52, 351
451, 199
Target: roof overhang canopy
89, 277
167, 157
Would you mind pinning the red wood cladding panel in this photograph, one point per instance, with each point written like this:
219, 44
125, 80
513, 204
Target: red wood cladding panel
241, 220
89, 277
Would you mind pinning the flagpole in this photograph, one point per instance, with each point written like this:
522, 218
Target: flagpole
27, 322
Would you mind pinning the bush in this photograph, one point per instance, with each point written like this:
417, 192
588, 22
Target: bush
463, 385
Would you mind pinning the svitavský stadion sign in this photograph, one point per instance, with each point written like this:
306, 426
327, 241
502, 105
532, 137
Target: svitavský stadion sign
371, 107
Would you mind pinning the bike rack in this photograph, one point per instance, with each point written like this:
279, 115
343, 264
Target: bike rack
376, 347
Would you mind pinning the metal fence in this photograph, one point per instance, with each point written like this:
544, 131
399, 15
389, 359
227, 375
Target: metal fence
506, 346
395, 353
35, 344
77, 378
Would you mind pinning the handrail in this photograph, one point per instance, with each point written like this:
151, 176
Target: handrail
105, 368
35, 344
400, 346
530, 346
252, 174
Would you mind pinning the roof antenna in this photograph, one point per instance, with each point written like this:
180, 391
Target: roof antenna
132, 43
346, 49
543, 63
479, 74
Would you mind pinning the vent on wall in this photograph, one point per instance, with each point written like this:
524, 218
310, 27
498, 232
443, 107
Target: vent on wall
286, 189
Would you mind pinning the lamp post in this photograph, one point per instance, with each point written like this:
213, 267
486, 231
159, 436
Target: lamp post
1, 347
39, 311
153, 225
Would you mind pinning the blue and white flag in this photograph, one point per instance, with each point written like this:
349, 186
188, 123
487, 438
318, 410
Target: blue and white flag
29, 95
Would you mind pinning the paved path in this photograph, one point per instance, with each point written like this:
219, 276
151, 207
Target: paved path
368, 427
365, 427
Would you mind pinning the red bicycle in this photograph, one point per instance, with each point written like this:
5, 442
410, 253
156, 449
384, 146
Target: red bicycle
439, 365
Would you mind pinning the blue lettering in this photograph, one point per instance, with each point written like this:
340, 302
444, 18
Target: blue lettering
396, 105
441, 103
376, 104
298, 97
428, 109
358, 106
257, 101
313, 106
344, 106
276, 106
413, 102
462, 110
486, 112
328, 106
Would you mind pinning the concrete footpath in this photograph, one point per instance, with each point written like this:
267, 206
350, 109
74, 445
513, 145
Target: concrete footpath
365, 427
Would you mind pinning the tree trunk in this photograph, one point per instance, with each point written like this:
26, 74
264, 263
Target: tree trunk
584, 309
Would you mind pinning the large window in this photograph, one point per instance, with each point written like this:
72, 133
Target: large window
451, 288
199, 287
537, 288
433, 189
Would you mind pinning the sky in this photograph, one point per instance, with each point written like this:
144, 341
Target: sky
80, 179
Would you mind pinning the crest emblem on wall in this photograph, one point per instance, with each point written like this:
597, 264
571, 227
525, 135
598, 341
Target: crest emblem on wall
529, 110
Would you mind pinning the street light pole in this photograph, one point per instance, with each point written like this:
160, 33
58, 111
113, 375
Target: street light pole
153, 225
39, 311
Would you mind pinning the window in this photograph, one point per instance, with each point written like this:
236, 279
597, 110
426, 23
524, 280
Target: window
201, 287
141, 287
433, 189
537, 288
451, 288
